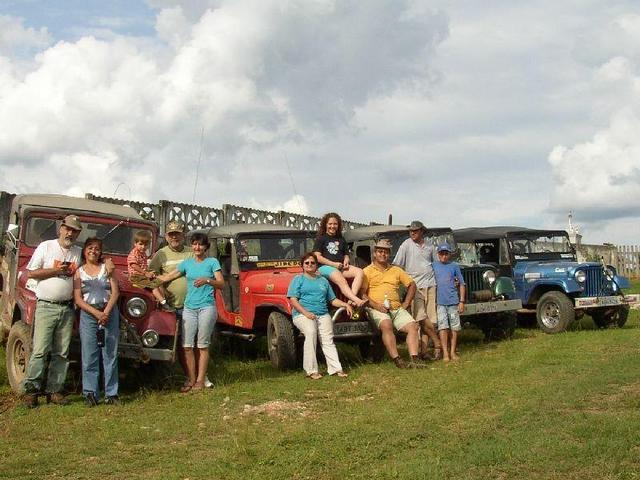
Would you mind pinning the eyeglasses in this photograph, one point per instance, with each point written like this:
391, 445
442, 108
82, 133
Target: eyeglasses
309, 263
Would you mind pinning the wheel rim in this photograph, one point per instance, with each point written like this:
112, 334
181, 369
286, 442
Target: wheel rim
273, 340
19, 355
550, 315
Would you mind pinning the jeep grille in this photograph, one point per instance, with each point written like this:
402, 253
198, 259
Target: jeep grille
596, 283
473, 279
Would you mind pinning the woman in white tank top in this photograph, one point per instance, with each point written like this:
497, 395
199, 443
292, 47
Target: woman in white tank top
96, 293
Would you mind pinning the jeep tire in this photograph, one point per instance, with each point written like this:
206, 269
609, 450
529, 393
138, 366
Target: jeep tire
615, 318
555, 312
281, 341
18, 354
372, 349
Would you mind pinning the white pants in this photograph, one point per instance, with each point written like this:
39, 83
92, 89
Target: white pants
311, 328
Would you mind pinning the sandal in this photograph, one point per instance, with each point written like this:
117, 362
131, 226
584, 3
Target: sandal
315, 376
186, 387
197, 387
437, 353
341, 374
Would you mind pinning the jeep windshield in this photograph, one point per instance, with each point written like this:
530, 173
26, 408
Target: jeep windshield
116, 241
540, 246
273, 251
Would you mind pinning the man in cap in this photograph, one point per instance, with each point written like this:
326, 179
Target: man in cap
381, 287
165, 260
51, 270
416, 256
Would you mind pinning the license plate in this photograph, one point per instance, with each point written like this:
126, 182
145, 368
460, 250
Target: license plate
599, 301
351, 329
492, 307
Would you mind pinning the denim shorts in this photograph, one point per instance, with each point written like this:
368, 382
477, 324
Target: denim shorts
449, 318
198, 322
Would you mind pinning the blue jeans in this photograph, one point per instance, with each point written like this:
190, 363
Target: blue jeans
91, 354
53, 326
200, 322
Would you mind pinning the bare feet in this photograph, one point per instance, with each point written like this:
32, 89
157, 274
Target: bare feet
455, 357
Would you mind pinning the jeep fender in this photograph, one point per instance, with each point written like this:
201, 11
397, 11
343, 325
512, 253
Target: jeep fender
622, 282
263, 311
539, 288
162, 322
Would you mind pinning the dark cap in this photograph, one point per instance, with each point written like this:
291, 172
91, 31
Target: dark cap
444, 247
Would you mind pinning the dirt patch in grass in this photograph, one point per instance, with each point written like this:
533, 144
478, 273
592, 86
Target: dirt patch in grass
278, 409
8, 401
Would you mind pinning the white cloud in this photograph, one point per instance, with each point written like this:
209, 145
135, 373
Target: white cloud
15, 38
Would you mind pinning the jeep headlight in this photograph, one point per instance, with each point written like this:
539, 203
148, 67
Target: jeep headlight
489, 277
609, 272
136, 307
150, 338
580, 276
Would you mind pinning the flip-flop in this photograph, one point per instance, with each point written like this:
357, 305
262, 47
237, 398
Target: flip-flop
186, 388
315, 376
341, 374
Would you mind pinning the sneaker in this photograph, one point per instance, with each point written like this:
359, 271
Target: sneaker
57, 399
112, 400
90, 400
30, 400
400, 363
207, 382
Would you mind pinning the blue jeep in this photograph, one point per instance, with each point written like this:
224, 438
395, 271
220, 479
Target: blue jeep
548, 278
491, 305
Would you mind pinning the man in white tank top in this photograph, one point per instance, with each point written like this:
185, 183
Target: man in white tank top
51, 268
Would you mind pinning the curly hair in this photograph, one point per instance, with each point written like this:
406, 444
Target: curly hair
322, 229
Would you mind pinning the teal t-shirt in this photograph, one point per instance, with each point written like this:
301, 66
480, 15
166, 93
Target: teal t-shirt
198, 297
312, 294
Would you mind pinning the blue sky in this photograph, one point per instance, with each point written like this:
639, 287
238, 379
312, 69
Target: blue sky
455, 113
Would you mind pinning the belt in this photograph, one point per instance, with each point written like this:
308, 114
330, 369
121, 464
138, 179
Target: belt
64, 303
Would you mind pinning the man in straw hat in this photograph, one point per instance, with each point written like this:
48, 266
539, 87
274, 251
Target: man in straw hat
381, 287
50, 273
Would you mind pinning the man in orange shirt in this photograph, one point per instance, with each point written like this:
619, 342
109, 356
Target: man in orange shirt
381, 287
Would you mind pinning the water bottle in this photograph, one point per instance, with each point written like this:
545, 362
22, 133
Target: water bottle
100, 336
386, 303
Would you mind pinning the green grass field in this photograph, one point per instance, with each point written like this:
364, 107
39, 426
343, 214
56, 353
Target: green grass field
561, 406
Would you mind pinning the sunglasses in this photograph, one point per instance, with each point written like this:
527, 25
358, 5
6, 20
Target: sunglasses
308, 263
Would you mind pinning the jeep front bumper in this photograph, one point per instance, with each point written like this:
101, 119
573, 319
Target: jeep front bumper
492, 307
136, 352
610, 301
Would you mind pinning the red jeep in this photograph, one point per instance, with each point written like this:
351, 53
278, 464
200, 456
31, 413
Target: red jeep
146, 334
258, 263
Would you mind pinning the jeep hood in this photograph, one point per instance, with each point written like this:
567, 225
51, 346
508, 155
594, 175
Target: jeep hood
272, 282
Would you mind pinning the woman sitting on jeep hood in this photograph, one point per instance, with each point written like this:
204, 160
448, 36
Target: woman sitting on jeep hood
331, 251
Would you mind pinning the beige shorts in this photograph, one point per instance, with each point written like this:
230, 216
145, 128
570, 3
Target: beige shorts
400, 317
424, 305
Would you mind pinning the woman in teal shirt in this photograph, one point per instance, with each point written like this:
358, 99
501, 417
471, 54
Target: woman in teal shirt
199, 314
309, 294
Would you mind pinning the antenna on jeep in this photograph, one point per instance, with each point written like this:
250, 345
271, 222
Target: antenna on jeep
195, 182
390, 219
293, 185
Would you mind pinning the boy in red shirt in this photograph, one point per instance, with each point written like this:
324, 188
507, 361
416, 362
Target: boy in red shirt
137, 263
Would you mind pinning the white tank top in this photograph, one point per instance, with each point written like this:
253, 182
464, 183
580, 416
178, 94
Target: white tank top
95, 290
